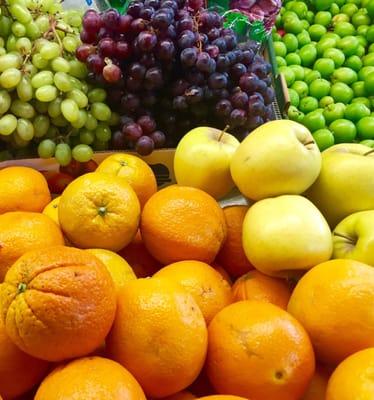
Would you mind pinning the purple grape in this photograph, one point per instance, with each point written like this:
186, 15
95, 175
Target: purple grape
134, 9
107, 47
137, 71
158, 138
248, 82
112, 73
239, 100
152, 3
212, 50
132, 131
144, 146
118, 141
169, 4
138, 25
203, 39
237, 70
166, 50
180, 103
213, 34
95, 63
186, 39
147, 13
189, 56
231, 41
148, 60
194, 94
203, 62
161, 20
123, 50
153, 78
88, 37
147, 41
247, 57
259, 69
83, 51
221, 44
111, 18
130, 102
185, 24
256, 107
261, 87
217, 81
124, 23
223, 108
147, 123
238, 117
91, 22
269, 95
223, 63
253, 122
195, 4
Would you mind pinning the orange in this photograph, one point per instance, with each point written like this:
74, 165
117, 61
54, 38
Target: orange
353, 379
259, 351
23, 189
99, 211
223, 272
207, 286
318, 385
136, 254
222, 397
159, 335
51, 210
90, 378
57, 303
232, 256
180, 396
183, 223
19, 372
21, 232
334, 302
256, 286
136, 172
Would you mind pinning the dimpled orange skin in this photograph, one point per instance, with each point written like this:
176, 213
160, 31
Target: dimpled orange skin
19, 372
207, 286
259, 351
57, 303
90, 378
21, 232
23, 189
334, 302
99, 211
183, 223
353, 378
159, 335
135, 171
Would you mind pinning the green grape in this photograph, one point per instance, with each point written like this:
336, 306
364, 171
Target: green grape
63, 81
70, 110
52, 132
11, 43
50, 50
56, 8
22, 109
43, 23
41, 125
73, 18
24, 89
86, 136
97, 95
114, 119
10, 78
8, 124
46, 148
40, 107
60, 64
54, 108
20, 13
101, 111
5, 101
103, 133
70, 43
63, 154
2, 51
84, 87
30, 69
41, 79
79, 97
22, 2
25, 129
2, 43
76, 82
5, 26
10, 61
46, 93
82, 153
100, 146
18, 142
91, 123
80, 122
46, 5
78, 69
33, 31
18, 29
39, 43
39, 62
23, 45
60, 121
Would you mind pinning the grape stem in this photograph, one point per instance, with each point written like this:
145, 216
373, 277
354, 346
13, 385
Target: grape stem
53, 23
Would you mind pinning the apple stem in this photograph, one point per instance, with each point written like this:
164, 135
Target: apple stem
369, 152
344, 237
223, 132
308, 143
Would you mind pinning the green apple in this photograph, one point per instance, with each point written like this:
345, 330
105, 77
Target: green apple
279, 157
344, 185
285, 236
353, 237
202, 160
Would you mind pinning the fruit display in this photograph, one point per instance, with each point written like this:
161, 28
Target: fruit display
117, 289
324, 49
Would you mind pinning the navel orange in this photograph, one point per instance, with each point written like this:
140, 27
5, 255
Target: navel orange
22, 231
51, 210
334, 302
182, 223
57, 303
99, 211
23, 189
90, 378
135, 171
259, 351
159, 335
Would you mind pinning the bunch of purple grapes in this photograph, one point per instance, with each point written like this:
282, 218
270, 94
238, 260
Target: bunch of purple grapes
170, 66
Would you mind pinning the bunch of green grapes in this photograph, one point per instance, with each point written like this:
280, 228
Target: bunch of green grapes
46, 105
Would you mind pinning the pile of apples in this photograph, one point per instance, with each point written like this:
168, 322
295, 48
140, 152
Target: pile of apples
306, 206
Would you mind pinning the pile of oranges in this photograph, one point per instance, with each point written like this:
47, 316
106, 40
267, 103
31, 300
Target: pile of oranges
117, 291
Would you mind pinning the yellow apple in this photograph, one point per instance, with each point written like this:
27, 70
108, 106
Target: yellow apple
353, 238
346, 182
202, 160
286, 235
279, 157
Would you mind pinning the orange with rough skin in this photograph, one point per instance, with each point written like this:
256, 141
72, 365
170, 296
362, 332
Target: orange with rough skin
159, 335
256, 286
259, 351
180, 396
19, 372
182, 223
99, 211
23, 189
136, 254
90, 378
210, 290
222, 397
57, 303
334, 302
232, 256
353, 378
136, 172
318, 385
22, 231
51, 210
